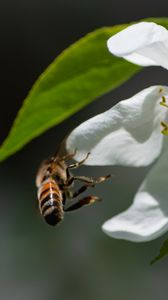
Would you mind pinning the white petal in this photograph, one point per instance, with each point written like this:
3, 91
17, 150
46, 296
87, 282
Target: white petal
145, 44
147, 218
127, 134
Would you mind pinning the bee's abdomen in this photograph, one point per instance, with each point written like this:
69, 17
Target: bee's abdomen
50, 202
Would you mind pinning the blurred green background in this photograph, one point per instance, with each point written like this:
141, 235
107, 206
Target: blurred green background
75, 260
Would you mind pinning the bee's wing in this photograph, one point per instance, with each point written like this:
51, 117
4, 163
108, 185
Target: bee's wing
41, 172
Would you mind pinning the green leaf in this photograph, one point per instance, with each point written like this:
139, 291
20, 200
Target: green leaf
80, 74
163, 252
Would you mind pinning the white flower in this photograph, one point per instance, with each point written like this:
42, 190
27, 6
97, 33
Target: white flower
129, 134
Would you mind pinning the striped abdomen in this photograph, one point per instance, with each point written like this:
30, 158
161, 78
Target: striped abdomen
50, 201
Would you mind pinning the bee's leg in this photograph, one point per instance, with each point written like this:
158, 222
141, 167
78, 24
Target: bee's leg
78, 164
81, 190
69, 180
69, 194
85, 201
64, 198
90, 181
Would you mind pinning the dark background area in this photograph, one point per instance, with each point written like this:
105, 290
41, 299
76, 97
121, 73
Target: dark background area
75, 260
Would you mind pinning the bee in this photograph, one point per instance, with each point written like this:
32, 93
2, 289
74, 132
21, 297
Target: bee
54, 182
